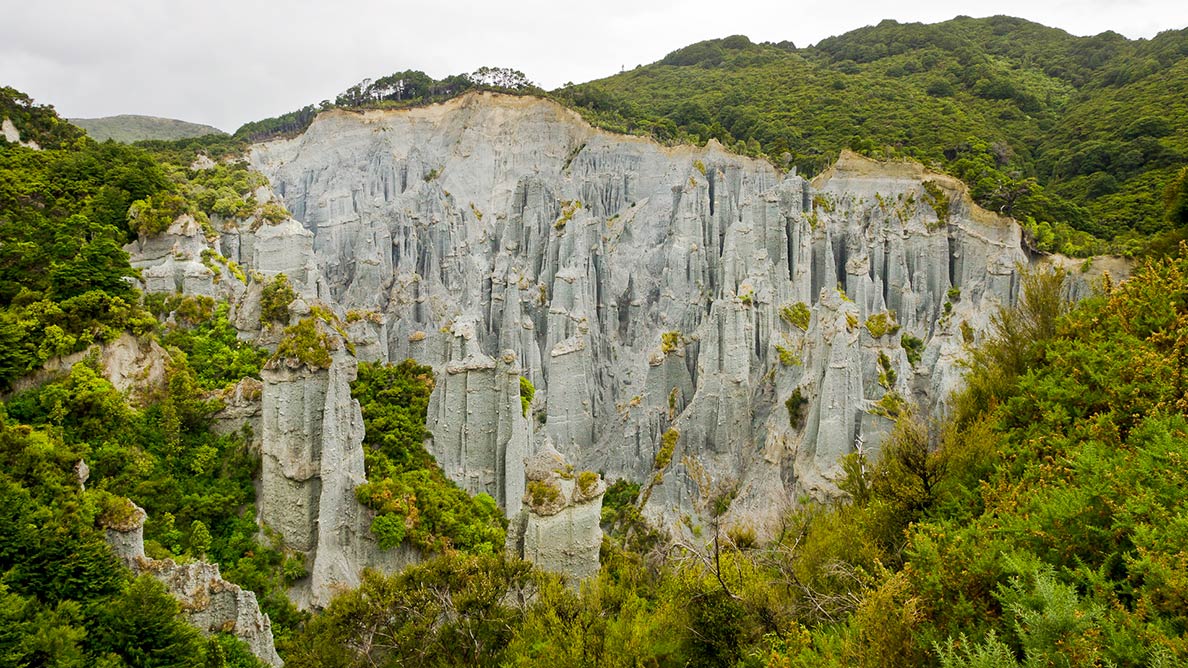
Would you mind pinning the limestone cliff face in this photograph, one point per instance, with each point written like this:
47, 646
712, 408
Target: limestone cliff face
209, 602
480, 433
641, 287
312, 462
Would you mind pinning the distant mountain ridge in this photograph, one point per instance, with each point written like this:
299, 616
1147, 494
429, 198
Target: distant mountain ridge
128, 128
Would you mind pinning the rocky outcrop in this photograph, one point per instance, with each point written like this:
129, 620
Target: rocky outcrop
131, 364
312, 463
769, 319
558, 528
182, 259
208, 602
642, 287
241, 412
13, 136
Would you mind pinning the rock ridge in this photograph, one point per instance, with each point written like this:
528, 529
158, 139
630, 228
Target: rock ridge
639, 288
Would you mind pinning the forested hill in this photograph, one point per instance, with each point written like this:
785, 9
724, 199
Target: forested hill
1083, 139
130, 128
1068, 134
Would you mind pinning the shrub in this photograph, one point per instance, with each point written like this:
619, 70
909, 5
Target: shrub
967, 332
797, 314
881, 324
307, 342
542, 494
275, 299
670, 341
887, 375
787, 357
939, 200
527, 392
890, 405
796, 404
273, 213
587, 481
569, 208
914, 348
667, 446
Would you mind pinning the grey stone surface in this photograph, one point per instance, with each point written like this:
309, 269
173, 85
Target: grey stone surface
639, 287
480, 435
182, 259
312, 462
242, 408
461, 224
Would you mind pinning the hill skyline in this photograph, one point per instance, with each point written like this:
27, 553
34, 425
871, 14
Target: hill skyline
228, 72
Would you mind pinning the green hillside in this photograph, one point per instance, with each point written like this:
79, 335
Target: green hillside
128, 128
1066, 133
1083, 139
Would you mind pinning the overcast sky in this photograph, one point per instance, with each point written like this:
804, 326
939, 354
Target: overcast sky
226, 62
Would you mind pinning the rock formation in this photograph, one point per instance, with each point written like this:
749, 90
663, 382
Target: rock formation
13, 136
558, 528
131, 364
208, 602
641, 286
480, 433
773, 321
313, 461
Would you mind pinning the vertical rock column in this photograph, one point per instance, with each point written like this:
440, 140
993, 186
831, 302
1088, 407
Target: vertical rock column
313, 461
558, 530
480, 434
294, 401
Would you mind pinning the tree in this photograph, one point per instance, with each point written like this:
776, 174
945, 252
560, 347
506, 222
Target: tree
199, 539
500, 77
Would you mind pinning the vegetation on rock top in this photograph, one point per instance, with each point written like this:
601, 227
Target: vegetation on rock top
415, 500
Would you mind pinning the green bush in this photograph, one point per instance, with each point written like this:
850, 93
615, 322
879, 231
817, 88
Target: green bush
881, 324
527, 392
796, 403
541, 494
668, 443
212, 345
797, 314
787, 357
277, 294
938, 199
415, 501
913, 346
307, 342
887, 375
587, 481
671, 341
